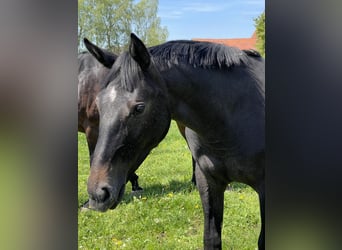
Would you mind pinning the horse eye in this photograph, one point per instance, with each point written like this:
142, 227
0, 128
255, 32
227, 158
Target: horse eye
139, 108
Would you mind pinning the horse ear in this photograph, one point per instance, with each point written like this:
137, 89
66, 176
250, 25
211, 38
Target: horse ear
105, 57
139, 52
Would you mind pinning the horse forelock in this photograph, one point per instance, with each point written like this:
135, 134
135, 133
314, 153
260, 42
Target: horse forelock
198, 54
125, 73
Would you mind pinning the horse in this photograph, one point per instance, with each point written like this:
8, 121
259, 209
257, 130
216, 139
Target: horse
216, 91
94, 65
92, 69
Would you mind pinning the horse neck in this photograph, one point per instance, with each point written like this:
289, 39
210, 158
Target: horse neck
190, 98
208, 100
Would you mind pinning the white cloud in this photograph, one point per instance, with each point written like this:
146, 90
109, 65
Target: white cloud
175, 14
178, 9
201, 7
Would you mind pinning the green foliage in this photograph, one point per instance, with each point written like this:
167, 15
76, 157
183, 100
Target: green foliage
147, 25
260, 32
108, 23
168, 213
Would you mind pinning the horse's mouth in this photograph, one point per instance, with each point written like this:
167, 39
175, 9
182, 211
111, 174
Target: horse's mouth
110, 203
121, 193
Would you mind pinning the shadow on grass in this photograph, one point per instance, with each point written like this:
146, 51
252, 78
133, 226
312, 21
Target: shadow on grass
160, 190
155, 190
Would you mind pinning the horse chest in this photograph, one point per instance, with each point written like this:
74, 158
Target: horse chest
243, 169
220, 164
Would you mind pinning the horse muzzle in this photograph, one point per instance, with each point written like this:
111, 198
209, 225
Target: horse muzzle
104, 198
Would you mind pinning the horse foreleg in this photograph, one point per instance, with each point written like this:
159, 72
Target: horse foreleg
133, 178
212, 197
193, 178
261, 242
92, 134
181, 129
91, 137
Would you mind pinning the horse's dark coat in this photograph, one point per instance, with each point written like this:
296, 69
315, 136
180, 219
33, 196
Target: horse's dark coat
217, 92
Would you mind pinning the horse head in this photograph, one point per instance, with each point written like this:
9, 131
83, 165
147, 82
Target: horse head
134, 118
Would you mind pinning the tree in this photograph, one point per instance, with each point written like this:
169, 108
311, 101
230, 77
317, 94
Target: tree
260, 32
108, 23
146, 23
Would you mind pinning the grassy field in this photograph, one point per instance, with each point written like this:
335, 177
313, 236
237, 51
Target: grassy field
168, 213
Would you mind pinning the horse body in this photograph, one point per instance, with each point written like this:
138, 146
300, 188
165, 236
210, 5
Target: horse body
230, 145
215, 91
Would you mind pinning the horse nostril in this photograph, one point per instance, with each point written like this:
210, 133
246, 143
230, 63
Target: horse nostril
102, 194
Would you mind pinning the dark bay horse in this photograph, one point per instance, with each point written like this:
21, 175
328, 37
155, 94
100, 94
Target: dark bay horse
93, 66
217, 92
92, 69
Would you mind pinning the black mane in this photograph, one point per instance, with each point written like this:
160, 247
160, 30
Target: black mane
252, 52
197, 54
126, 72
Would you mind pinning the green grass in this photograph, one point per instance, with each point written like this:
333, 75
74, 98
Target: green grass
168, 214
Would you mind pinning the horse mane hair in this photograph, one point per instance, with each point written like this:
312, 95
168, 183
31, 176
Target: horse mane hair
125, 72
252, 52
200, 54
197, 54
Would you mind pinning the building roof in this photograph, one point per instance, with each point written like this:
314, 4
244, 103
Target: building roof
241, 43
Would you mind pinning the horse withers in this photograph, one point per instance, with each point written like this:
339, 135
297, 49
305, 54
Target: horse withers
217, 92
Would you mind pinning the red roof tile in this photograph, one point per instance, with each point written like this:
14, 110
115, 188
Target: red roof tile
241, 43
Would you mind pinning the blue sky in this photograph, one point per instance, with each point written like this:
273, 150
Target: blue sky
187, 19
